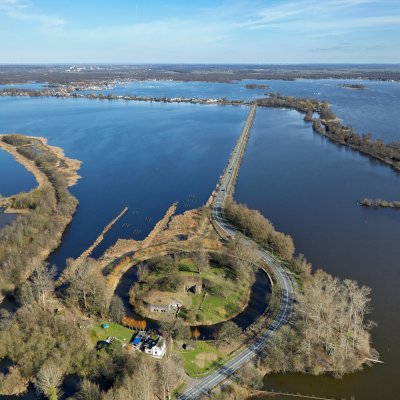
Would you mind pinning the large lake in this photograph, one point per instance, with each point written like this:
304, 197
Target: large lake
373, 110
148, 155
309, 188
144, 156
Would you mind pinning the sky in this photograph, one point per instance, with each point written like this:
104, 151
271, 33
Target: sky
200, 31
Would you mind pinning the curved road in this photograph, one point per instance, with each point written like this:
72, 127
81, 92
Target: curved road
282, 275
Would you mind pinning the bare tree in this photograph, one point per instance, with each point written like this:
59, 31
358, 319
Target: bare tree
89, 391
88, 289
40, 286
229, 332
245, 255
48, 380
142, 272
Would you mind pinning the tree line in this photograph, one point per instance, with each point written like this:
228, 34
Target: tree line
380, 203
329, 125
254, 225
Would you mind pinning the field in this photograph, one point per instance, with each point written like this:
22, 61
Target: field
117, 331
202, 359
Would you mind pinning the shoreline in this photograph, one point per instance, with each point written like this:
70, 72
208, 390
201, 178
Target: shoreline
66, 168
41, 178
329, 126
29, 165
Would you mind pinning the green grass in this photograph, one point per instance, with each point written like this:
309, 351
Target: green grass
115, 330
225, 294
186, 264
191, 359
197, 300
179, 390
215, 307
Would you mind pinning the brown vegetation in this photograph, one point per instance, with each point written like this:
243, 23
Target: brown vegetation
254, 225
380, 203
329, 125
355, 86
33, 235
193, 226
302, 105
375, 148
106, 75
256, 86
330, 334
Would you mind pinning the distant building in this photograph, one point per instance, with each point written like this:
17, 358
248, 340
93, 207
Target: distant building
173, 306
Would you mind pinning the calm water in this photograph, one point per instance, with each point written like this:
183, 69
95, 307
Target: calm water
6, 219
31, 85
14, 178
212, 90
374, 110
144, 156
308, 187
148, 155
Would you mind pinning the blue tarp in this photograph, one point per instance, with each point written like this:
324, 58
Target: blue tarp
136, 341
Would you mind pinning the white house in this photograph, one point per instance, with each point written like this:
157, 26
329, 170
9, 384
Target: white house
157, 349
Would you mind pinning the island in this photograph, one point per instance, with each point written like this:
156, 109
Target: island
380, 203
256, 86
354, 86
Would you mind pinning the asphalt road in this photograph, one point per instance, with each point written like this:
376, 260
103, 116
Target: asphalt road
283, 278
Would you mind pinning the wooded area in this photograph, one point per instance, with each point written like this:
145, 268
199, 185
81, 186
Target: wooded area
331, 333
35, 233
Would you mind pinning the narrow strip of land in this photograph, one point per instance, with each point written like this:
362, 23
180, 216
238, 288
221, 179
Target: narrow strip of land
282, 276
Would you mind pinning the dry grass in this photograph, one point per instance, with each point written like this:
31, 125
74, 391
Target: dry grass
202, 359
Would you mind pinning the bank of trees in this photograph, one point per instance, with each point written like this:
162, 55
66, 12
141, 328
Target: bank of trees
329, 125
300, 104
380, 203
376, 148
331, 333
254, 225
36, 232
88, 291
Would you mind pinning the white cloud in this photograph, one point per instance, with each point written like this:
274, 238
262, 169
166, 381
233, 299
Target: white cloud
308, 14
20, 10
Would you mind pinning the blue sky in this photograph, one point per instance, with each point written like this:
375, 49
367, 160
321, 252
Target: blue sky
203, 31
